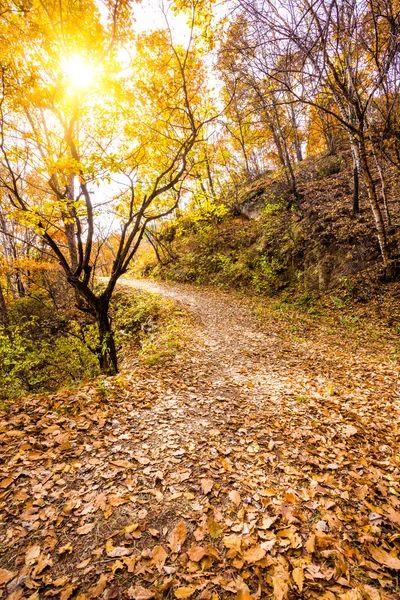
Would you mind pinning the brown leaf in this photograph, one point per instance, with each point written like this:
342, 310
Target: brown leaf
5, 575
254, 554
206, 486
5, 483
235, 497
99, 587
384, 558
140, 593
67, 548
159, 556
178, 537
196, 553
32, 554
85, 529
67, 593
394, 516
184, 592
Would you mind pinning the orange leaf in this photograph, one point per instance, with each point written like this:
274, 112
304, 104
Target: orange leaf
159, 556
5, 575
99, 587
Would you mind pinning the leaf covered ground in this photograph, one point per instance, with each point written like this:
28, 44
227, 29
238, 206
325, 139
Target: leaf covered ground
255, 463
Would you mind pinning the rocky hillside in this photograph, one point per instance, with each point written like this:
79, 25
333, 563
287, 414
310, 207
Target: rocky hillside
268, 243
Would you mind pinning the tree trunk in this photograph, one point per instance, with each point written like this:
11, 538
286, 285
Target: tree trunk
4, 320
107, 353
376, 211
356, 175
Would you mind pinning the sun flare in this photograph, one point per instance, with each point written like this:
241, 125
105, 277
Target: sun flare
81, 74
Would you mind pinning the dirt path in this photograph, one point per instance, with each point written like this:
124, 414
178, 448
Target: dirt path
251, 466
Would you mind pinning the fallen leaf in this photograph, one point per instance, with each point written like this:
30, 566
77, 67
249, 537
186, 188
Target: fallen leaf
243, 593
184, 592
280, 583
206, 486
394, 516
67, 548
254, 554
159, 556
196, 553
140, 593
235, 497
233, 541
67, 593
99, 587
132, 527
352, 595
5, 483
85, 529
117, 551
32, 555
178, 537
214, 528
5, 575
384, 558
298, 577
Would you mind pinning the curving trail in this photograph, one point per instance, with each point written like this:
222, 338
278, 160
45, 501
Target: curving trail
254, 464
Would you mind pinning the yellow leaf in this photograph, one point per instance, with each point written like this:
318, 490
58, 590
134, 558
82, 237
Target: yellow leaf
32, 555
280, 583
184, 592
214, 528
298, 577
116, 552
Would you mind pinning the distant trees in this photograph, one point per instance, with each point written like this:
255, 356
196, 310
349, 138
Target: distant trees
86, 140
335, 60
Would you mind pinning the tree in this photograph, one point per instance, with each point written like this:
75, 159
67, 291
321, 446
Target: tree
345, 50
88, 137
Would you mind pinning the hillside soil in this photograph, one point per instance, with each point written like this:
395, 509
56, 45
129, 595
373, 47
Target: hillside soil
256, 463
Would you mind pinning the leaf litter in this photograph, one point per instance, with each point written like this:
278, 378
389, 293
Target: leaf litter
232, 471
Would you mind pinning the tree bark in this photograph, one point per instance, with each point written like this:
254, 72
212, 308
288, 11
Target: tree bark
356, 174
4, 320
107, 353
376, 211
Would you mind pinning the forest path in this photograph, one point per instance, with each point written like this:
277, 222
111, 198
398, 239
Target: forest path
255, 463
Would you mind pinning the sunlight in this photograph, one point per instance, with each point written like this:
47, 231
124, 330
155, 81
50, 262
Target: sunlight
80, 72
